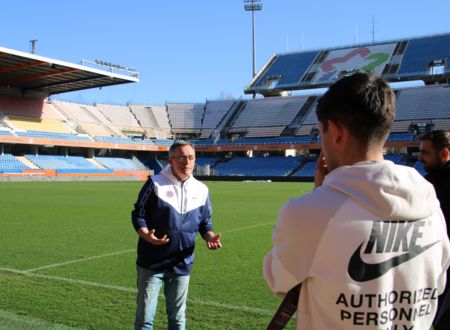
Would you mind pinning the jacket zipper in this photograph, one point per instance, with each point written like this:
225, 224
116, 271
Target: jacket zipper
181, 213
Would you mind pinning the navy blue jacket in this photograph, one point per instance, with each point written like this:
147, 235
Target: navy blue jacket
177, 209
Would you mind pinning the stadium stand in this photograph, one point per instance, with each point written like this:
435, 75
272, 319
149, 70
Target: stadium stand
244, 137
284, 70
311, 118
160, 114
143, 115
396, 158
53, 135
215, 111
95, 129
145, 118
202, 161
399, 60
78, 113
421, 52
257, 166
5, 132
40, 125
307, 169
119, 116
400, 126
65, 164
305, 130
186, 117
155, 164
9, 164
114, 139
49, 111
422, 103
116, 163
272, 112
163, 142
441, 124
400, 137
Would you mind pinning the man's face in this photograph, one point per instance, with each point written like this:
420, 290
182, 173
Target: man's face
429, 156
183, 162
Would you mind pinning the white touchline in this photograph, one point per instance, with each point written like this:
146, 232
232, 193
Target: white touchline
69, 280
69, 262
78, 260
232, 307
249, 227
125, 289
29, 272
31, 322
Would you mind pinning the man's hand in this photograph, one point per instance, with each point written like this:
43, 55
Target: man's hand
321, 170
150, 237
212, 241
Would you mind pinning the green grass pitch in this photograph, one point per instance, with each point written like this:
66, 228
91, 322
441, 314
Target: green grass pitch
68, 254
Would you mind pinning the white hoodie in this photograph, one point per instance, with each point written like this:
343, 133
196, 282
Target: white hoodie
369, 247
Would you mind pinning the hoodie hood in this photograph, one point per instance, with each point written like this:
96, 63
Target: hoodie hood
393, 192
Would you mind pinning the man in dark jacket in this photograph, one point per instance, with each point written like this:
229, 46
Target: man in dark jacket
171, 208
435, 156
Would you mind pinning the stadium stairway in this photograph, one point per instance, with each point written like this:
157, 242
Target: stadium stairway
299, 166
96, 163
25, 161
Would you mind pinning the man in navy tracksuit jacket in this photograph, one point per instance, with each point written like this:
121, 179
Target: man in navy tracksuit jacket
171, 207
435, 156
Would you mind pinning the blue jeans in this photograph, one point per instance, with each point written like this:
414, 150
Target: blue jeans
175, 291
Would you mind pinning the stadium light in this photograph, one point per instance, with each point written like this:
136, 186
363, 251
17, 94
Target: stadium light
33, 46
130, 71
253, 5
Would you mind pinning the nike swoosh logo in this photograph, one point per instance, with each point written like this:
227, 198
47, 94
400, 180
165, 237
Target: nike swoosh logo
361, 271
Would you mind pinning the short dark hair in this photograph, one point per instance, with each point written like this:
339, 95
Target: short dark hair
177, 144
440, 139
363, 103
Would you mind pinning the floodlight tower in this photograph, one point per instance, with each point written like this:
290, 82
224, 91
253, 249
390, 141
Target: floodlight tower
33, 46
253, 5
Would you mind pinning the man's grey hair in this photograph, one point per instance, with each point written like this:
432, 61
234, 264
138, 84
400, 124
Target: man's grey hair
178, 144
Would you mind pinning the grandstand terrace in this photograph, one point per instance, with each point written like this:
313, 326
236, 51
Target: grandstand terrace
421, 58
274, 137
185, 117
268, 117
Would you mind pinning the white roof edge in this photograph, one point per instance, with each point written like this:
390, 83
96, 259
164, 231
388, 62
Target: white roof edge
67, 64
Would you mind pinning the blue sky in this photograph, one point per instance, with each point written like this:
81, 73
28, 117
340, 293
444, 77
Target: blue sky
190, 51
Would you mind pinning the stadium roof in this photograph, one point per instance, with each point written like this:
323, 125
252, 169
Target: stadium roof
424, 58
29, 74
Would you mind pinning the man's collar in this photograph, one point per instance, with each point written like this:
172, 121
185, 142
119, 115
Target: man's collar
447, 165
435, 173
169, 173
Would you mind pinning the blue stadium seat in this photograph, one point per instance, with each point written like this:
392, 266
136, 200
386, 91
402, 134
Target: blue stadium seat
51, 135
258, 166
66, 164
289, 67
419, 52
9, 164
117, 163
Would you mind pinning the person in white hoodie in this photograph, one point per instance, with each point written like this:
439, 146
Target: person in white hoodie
368, 245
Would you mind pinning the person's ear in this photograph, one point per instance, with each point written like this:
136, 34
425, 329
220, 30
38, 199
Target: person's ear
445, 154
337, 131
